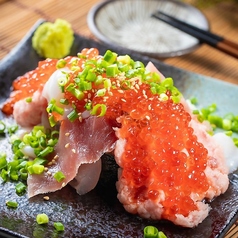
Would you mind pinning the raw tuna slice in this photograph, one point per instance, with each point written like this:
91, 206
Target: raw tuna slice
79, 143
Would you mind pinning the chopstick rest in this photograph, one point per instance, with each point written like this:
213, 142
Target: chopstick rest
203, 36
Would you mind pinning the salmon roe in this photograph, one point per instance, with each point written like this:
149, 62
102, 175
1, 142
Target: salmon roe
161, 154
24, 86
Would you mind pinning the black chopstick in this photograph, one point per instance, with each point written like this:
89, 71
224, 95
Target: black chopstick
203, 36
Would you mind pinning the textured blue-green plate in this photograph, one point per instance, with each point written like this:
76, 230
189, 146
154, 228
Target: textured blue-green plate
98, 213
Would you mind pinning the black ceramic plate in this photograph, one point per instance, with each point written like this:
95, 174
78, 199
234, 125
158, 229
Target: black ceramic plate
98, 213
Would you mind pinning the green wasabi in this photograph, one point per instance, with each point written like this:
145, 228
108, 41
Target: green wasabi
53, 40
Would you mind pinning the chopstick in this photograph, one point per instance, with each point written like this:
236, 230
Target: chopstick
203, 36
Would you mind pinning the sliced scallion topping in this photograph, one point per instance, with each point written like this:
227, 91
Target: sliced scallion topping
42, 219
2, 127
61, 63
73, 115
20, 188
52, 107
3, 160
110, 57
59, 176
99, 110
75, 91
112, 70
153, 232
12, 204
28, 100
59, 226
12, 129
36, 169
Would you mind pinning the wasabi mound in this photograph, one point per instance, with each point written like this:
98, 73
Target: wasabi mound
53, 40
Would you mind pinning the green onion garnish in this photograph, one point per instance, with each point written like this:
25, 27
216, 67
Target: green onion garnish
28, 100
12, 129
73, 115
20, 188
152, 232
110, 57
58, 226
59, 176
3, 160
112, 70
36, 169
61, 63
2, 127
12, 204
42, 219
99, 110
52, 107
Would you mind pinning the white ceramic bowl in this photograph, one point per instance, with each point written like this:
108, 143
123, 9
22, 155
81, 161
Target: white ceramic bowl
128, 24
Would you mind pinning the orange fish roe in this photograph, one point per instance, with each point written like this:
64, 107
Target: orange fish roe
162, 154
24, 86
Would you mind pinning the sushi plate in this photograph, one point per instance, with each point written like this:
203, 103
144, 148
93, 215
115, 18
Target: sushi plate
99, 213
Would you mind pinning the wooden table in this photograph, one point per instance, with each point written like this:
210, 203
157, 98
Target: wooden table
18, 16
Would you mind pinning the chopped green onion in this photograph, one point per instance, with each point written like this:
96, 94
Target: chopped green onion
110, 57
28, 100
52, 121
12, 204
61, 63
23, 173
152, 232
99, 80
52, 107
58, 226
4, 175
73, 115
226, 124
2, 127
42, 219
194, 100
101, 92
99, 107
125, 59
91, 76
12, 129
59, 176
75, 91
125, 84
215, 120
46, 151
107, 83
36, 169
64, 101
112, 70
138, 64
235, 140
20, 188
88, 105
39, 161
3, 160
14, 175
234, 125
